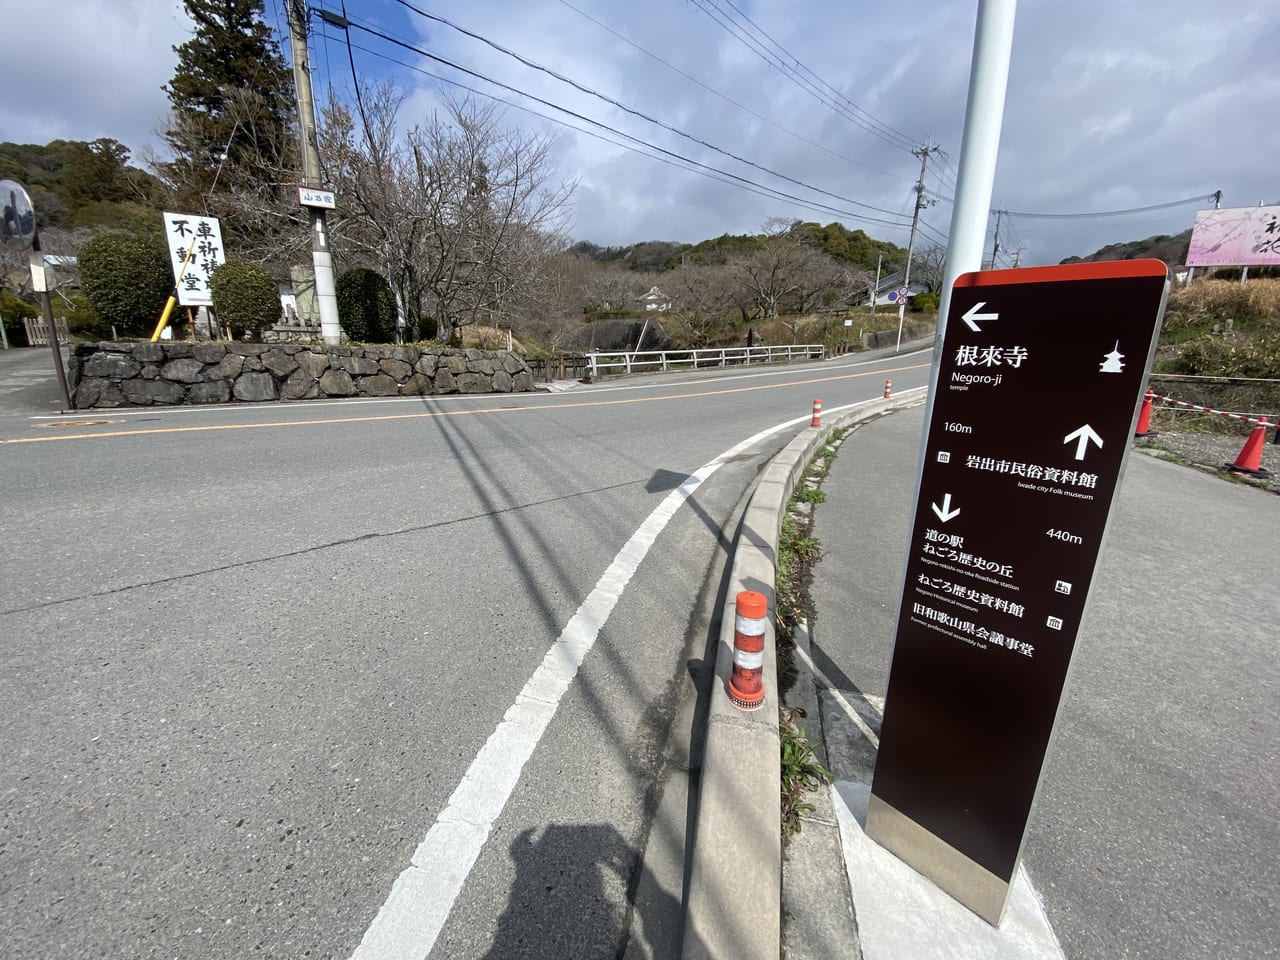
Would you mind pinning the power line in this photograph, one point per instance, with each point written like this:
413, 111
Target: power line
933, 233
1108, 213
872, 120
818, 41
631, 110
688, 166
728, 99
718, 16
751, 185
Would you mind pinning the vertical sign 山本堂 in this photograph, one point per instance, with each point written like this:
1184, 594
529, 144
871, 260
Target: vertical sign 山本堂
1040, 378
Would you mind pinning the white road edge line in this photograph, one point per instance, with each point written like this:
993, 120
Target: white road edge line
415, 911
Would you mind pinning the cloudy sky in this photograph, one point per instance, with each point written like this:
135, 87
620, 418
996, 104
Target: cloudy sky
1111, 105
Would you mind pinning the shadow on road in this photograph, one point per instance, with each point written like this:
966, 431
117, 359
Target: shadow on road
575, 885
564, 900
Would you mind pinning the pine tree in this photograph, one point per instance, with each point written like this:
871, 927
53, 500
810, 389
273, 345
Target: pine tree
231, 94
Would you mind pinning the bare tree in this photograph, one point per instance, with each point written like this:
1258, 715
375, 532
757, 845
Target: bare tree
929, 265
463, 211
775, 276
699, 298
611, 287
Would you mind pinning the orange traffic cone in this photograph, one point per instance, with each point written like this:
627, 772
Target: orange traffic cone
1250, 460
1144, 417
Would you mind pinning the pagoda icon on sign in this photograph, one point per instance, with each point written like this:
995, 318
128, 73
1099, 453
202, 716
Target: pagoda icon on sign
1113, 362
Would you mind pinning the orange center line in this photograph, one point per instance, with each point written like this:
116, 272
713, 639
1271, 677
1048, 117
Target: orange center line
451, 413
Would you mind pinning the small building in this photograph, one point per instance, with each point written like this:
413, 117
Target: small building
655, 299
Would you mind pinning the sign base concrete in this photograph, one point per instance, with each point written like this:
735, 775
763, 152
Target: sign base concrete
901, 914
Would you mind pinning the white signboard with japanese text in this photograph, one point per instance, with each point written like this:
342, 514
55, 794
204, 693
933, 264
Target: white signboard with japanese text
317, 198
195, 251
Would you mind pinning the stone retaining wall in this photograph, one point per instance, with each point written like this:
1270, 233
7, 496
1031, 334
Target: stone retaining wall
911, 330
142, 374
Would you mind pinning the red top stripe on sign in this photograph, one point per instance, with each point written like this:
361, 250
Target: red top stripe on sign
1070, 271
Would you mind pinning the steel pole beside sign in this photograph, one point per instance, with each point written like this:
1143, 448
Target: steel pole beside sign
1040, 382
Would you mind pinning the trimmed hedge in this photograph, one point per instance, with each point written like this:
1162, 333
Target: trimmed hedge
245, 296
366, 306
127, 278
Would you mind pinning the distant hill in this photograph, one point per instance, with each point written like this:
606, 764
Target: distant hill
1171, 249
851, 246
74, 183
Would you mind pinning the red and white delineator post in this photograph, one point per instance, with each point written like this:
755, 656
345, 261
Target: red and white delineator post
746, 682
888, 389
817, 414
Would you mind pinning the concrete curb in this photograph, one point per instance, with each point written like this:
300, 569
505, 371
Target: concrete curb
734, 900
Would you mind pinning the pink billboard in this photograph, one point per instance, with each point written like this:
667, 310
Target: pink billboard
1240, 236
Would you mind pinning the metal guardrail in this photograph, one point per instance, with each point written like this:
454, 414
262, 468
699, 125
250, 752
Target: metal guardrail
664, 360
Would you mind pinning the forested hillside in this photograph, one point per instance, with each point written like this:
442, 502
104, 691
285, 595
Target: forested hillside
84, 184
853, 247
1171, 249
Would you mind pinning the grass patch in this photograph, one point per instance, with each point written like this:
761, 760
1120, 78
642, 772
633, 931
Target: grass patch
810, 495
798, 551
802, 773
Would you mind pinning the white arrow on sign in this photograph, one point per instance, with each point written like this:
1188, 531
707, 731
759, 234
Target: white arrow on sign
1083, 436
945, 512
972, 314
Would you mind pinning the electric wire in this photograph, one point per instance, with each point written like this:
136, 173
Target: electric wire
873, 121
816, 39
933, 233
1107, 213
716, 15
728, 99
693, 166
617, 103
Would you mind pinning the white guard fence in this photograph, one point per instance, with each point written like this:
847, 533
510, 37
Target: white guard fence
664, 360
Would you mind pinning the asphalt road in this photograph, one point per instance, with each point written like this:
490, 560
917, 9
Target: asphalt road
1158, 824
250, 653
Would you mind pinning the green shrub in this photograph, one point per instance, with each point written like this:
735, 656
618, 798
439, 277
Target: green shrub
1196, 307
82, 320
925, 303
1236, 356
366, 306
127, 279
246, 297
13, 310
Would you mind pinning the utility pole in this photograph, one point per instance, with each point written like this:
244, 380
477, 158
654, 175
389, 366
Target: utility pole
921, 203
995, 246
321, 259
875, 291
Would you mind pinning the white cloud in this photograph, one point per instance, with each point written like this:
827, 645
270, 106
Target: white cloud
94, 68
1110, 104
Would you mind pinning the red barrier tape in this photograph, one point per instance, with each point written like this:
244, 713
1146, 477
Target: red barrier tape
1264, 422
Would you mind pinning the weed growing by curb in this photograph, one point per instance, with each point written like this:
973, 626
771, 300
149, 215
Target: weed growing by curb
798, 551
810, 495
801, 771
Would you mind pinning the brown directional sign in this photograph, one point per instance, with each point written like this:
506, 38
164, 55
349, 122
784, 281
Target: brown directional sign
1039, 384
